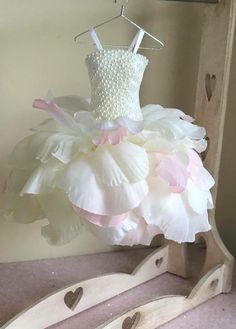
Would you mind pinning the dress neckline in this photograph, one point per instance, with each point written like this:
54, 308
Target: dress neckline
133, 48
117, 50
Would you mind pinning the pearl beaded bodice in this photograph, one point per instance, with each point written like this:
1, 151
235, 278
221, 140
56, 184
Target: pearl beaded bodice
115, 77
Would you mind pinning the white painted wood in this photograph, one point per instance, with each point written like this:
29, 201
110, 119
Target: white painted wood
163, 309
214, 64
52, 309
215, 60
178, 261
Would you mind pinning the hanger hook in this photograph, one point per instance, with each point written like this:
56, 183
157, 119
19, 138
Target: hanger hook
122, 6
122, 10
124, 1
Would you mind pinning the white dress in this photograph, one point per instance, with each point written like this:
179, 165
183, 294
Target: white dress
124, 172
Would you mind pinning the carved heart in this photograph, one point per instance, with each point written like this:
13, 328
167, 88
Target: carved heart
210, 84
214, 284
159, 262
131, 323
72, 299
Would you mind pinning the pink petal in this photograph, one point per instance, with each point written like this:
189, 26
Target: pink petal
198, 173
195, 162
194, 156
58, 114
188, 118
112, 137
100, 220
142, 234
172, 171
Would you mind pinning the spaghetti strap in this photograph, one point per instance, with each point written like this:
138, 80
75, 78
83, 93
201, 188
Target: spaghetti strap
133, 47
137, 41
95, 39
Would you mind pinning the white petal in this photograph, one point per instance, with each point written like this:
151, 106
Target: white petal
207, 180
210, 203
132, 126
169, 123
159, 144
113, 235
63, 225
63, 147
132, 231
181, 129
24, 153
43, 178
17, 179
200, 146
25, 209
84, 190
73, 103
171, 213
153, 112
197, 197
143, 234
49, 126
122, 163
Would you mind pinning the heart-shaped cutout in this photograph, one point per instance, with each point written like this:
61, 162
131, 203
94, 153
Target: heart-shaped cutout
210, 84
72, 299
214, 284
159, 262
132, 323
